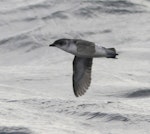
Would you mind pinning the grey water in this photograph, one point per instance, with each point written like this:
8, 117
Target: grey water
36, 94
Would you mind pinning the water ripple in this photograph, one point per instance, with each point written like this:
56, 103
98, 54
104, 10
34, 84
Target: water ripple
94, 8
14, 130
139, 94
108, 116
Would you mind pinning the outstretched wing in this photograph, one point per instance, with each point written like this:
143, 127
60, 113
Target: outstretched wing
81, 75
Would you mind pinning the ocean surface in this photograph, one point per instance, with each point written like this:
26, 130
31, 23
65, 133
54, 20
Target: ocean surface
36, 95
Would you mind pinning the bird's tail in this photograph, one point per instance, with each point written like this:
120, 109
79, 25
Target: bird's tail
111, 53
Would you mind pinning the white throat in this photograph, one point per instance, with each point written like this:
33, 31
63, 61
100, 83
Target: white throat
71, 48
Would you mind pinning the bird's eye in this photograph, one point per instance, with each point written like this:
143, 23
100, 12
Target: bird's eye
61, 43
75, 41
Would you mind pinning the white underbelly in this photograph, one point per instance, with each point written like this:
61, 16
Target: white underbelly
100, 51
72, 49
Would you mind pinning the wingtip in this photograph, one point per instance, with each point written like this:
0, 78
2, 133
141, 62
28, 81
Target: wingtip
79, 94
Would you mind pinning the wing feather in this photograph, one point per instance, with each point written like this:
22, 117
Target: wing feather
81, 75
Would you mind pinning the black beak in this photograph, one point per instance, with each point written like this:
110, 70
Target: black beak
51, 45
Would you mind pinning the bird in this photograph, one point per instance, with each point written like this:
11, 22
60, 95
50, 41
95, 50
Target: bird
84, 52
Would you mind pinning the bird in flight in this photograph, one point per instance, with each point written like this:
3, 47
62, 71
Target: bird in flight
84, 52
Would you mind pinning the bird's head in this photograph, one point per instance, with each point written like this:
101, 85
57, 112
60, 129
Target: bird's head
61, 43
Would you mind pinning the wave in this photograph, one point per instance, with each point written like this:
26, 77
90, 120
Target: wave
93, 8
57, 14
71, 108
107, 116
139, 93
21, 41
14, 130
90, 9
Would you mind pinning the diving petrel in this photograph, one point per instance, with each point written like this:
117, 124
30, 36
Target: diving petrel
84, 52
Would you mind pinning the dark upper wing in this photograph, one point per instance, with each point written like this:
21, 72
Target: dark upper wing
81, 75
86, 47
